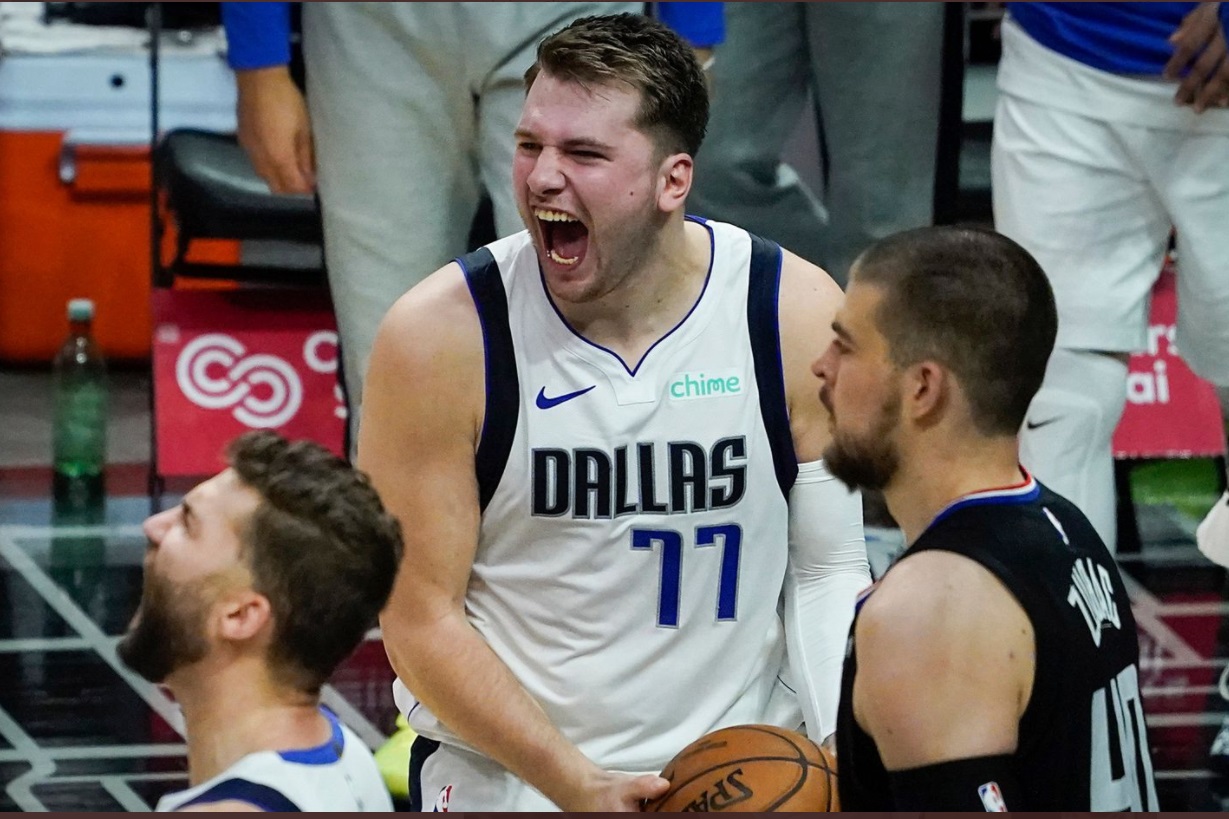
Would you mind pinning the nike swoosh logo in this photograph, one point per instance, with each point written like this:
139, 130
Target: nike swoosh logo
546, 403
1036, 424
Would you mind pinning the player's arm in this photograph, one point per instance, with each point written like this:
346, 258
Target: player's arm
273, 125
422, 415
945, 659
828, 565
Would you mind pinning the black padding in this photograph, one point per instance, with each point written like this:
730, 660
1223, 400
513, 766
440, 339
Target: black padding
215, 193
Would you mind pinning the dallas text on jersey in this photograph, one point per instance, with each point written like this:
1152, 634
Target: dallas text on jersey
593, 483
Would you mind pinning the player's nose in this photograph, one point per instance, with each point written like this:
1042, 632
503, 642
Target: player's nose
546, 176
823, 367
155, 526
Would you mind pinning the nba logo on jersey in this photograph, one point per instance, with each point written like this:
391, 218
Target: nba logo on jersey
441, 801
992, 798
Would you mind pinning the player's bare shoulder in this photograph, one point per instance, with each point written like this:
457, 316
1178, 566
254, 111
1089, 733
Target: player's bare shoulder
940, 617
805, 288
436, 316
940, 613
938, 589
427, 364
806, 305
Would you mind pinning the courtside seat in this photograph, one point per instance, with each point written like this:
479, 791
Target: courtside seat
212, 192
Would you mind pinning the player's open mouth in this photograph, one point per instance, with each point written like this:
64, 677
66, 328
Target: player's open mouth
566, 237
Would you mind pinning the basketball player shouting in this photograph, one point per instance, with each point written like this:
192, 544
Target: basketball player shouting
607, 433
256, 587
995, 665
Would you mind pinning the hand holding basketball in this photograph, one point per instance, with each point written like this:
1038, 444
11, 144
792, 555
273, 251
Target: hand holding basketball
750, 769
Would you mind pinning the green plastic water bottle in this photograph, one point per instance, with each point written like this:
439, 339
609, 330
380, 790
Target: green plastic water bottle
79, 434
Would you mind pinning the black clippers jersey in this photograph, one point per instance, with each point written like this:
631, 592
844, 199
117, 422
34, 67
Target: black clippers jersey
1082, 742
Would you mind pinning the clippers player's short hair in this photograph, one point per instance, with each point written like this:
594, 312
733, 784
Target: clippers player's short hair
976, 302
320, 547
641, 53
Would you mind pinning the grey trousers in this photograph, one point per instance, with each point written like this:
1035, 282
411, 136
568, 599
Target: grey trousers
413, 107
873, 72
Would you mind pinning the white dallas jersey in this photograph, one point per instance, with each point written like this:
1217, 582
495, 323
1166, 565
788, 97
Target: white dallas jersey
340, 775
633, 539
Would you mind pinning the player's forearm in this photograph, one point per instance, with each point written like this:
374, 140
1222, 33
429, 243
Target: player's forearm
252, 81
453, 672
827, 569
818, 613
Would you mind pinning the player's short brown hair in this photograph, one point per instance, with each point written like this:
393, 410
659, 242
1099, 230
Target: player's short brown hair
320, 547
639, 52
976, 302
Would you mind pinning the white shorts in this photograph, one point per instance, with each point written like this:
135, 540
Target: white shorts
452, 779
1094, 198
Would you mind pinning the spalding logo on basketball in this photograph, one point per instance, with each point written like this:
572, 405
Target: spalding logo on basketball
750, 769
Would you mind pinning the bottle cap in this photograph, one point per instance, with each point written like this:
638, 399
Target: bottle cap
80, 310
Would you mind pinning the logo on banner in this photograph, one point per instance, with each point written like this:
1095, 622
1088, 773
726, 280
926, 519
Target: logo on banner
320, 354
1170, 411
214, 372
1152, 386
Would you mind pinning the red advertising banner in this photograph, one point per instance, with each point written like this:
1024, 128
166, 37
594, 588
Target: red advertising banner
1170, 411
229, 361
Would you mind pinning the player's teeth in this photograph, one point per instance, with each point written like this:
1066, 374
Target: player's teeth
557, 259
553, 216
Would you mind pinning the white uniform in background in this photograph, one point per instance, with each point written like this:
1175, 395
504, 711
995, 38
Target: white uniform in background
1212, 536
339, 775
649, 501
1090, 169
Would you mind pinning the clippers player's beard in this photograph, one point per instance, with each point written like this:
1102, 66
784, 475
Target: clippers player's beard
869, 462
168, 633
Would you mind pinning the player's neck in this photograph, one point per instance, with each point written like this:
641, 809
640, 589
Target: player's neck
652, 300
229, 714
937, 475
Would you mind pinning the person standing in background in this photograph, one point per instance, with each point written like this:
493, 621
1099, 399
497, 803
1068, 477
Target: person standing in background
408, 118
1111, 131
872, 71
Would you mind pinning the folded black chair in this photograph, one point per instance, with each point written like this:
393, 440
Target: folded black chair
213, 192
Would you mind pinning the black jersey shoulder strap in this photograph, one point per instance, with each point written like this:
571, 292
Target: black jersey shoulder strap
764, 326
502, 384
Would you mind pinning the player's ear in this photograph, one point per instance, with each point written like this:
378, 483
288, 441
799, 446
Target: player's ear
243, 615
674, 181
927, 390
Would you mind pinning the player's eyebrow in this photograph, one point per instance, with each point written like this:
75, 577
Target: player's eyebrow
586, 142
841, 332
568, 144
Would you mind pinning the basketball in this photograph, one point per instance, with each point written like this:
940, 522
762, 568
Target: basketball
750, 769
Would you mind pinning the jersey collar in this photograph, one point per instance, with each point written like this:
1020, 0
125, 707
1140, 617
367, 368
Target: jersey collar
326, 753
1026, 491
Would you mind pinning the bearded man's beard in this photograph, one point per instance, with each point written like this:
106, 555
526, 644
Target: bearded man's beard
869, 462
168, 632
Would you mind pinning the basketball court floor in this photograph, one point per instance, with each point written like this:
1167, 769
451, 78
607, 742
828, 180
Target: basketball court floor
80, 732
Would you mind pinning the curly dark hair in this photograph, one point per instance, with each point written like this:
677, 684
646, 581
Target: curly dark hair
641, 53
320, 547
